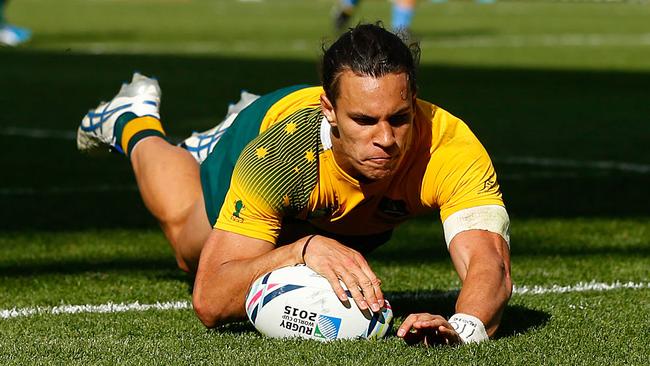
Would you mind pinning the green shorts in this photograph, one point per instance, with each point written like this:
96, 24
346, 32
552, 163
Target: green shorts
217, 168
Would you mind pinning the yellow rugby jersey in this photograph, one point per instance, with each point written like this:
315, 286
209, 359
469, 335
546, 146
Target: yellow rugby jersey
289, 171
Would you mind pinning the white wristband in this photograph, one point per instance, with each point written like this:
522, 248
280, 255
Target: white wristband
469, 328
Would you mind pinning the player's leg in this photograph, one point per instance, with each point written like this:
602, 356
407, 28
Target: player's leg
167, 176
170, 186
402, 15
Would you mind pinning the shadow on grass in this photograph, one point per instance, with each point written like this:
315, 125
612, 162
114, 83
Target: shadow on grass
165, 267
519, 319
569, 114
420, 241
516, 319
236, 328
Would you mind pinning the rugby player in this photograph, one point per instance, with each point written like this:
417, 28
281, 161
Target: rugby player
320, 175
401, 14
11, 35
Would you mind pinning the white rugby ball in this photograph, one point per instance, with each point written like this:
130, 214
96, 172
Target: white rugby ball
298, 302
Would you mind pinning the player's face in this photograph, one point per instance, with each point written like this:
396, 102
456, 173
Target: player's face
371, 124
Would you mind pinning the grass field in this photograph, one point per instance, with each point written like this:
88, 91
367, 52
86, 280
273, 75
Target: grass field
556, 90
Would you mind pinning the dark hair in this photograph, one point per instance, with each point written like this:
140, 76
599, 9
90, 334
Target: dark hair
369, 50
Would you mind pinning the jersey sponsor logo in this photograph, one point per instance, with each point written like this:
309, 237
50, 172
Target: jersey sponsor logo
393, 208
488, 185
239, 205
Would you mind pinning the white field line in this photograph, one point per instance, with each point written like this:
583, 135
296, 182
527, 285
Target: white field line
102, 308
520, 160
186, 305
537, 290
603, 165
43, 133
569, 163
102, 188
38, 133
246, 46
542, 40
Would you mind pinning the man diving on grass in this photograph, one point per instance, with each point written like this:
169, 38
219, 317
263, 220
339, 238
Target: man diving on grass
337, 167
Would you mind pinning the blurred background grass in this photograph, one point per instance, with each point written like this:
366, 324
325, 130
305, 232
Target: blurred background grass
556, 90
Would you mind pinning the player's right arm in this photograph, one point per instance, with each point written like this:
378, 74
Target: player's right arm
230, 262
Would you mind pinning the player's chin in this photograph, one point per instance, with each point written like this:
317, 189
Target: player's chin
376, 172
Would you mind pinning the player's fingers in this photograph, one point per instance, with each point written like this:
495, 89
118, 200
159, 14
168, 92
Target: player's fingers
368, 291
374, 283
407, 324
429, 321
333, 279
450, 335
353, 286
439, 331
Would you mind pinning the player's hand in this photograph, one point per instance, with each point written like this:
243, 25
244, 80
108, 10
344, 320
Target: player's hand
428, 329
335, 261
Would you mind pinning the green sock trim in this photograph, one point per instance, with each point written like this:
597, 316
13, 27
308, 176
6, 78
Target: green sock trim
119, 128
141, 135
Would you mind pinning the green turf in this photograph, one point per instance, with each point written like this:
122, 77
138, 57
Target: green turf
565, 81
124, 266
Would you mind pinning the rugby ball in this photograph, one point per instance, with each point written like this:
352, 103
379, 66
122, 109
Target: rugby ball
298, 302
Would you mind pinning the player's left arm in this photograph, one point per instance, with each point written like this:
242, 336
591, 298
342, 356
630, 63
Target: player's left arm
482, 260
461, 180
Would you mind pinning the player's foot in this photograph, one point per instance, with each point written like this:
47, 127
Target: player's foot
141, 97
201, 144
11, 35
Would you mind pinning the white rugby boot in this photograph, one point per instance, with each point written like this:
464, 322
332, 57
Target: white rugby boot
201, 144
97, 130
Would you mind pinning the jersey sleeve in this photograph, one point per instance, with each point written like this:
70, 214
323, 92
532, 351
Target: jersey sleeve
273, 178
460, 173
247, 213
263, 190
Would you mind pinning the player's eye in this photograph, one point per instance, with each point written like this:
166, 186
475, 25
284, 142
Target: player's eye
364, 121
400, 119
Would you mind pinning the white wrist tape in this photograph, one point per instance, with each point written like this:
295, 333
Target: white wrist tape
469, 328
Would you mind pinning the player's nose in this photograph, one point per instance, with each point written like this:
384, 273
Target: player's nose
384, 135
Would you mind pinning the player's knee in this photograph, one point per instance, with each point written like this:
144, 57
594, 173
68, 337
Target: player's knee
172, 218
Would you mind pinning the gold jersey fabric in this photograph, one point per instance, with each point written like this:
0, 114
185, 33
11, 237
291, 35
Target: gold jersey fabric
287, 172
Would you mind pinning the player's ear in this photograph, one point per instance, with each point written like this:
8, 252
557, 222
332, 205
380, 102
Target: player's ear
328, 109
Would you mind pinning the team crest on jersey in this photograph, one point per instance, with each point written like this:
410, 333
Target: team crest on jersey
239, 206
393, 208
